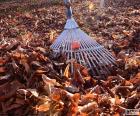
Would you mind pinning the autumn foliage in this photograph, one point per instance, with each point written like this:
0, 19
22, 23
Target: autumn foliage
35, 81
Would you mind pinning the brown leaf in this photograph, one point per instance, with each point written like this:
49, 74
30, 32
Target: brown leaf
4, 78
13, 106
25, 64
12, 46
136, 80
89, 97
85, 72
18, 56
2, 61
2, 70
10, 90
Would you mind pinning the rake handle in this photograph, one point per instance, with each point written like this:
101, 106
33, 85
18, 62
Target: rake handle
69, 9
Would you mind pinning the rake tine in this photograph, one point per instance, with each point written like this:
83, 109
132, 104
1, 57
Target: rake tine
87, 47
102, 49
106, 58
108, 55
101, 59
94, 66
79, 59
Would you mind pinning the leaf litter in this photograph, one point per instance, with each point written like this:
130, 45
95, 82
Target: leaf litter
33, 80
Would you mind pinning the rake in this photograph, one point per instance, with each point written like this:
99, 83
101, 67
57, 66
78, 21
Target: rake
76, 44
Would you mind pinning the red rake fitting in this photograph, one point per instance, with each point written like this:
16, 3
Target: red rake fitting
75, 45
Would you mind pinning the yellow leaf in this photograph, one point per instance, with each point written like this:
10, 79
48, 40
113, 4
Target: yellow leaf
66, 72
117, 100
91, 6
52, 36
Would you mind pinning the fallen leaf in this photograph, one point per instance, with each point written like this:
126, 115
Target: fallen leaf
66, 72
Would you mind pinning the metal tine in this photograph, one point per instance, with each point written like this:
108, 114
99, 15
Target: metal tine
83, 63
71, 52
58, 40
54, 46
90, 50
88, 55
67, 46
103, 57
62, 38
83, 58
74, 55
107, 54
93, 65
84, 47
95, 60
103, 61
97, 57
79, 58
92, 42
68, 52
102, 49
106, 58
75, 35
110, 55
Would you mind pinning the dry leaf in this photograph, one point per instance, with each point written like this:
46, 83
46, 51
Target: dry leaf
66, 72
2, 70
43, 107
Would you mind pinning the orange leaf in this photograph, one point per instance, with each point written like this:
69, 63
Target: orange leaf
55, 97
76, 97
43, 107
90, 96
114, 36
117, 114
19, 55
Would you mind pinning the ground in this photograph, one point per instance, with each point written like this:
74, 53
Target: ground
30, 80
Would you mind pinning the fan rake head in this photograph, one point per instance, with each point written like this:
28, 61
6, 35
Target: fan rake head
76, 44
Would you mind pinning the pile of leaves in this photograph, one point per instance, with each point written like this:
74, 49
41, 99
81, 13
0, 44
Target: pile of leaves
36, 81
